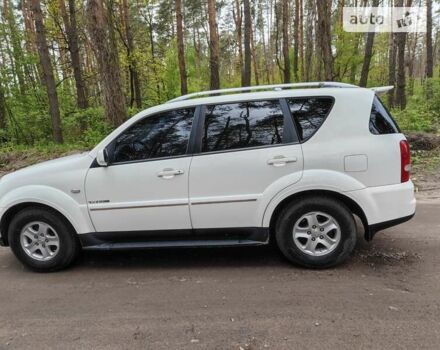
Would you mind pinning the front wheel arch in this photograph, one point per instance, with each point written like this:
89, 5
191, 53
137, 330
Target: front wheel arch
350, 203
14, 210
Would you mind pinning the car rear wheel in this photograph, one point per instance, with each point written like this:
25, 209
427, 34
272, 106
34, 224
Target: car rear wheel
42, 240
316, 232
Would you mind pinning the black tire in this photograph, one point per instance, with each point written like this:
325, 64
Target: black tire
69, 246
294, 211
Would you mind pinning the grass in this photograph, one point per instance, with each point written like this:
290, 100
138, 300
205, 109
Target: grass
423, 161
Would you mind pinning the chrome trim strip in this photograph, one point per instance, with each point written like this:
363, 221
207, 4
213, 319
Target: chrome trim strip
140, 206
171, 204
228, 201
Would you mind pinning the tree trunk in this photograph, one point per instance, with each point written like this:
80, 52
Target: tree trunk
296, 40
411, 60
247, 44
3, 116
324, 36
149, 19
254, 56
71, 28
135, 85
180, 48
261, 29
392, 68
33, 71
367, 59
238, 20
99, 27
429, 55
18, 56
197, 52
429, 52
29, 27
46, 66
368, 54
308, 62
400, 78
214, 50
286, 58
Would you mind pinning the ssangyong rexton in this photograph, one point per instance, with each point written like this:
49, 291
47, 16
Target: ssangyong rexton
294, 163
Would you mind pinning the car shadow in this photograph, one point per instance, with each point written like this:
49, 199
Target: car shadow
183, 257
213, 257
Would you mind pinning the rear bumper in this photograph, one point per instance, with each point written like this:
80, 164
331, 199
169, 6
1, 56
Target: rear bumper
385, 206
373, 229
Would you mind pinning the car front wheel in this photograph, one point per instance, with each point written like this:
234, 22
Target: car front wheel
42, 240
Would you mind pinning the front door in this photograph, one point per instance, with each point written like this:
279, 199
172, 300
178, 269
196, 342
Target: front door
145, 188
246, 148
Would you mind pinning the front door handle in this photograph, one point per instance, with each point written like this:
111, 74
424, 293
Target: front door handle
169, 173
278, 161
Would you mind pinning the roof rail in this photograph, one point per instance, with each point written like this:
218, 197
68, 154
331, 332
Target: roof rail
318, 84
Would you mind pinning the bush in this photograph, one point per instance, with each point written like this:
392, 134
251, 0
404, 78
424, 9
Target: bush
86, 127
421, 113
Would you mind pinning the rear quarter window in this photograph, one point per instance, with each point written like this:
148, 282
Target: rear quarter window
309, 114
381, 121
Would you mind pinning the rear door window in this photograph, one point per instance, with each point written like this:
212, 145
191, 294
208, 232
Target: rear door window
309, 113
242, 125
381, 121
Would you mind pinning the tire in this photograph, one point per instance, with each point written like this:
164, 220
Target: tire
57, 243
299, 237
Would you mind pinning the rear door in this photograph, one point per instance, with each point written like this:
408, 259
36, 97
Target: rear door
244, 148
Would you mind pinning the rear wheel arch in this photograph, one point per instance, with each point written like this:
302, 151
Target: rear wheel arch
15, 209
349, 202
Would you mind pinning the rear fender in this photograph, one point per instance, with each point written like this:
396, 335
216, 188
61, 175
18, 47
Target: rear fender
312, 180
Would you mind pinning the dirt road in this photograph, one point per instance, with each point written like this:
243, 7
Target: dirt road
386, 297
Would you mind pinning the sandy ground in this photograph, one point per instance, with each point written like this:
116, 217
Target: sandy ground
385, 297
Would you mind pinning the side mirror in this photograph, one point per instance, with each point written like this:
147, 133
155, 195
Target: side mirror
102, 157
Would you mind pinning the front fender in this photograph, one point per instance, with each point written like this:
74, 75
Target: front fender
326, 180
75, 212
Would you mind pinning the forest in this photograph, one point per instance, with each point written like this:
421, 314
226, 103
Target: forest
72, 70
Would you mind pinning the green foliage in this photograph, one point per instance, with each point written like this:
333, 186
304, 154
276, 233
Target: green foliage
421, 113
45, 149
171, 74
86, 127
155, 58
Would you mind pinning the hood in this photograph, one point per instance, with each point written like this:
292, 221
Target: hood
39, 173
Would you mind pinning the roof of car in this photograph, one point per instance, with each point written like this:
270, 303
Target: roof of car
266, 91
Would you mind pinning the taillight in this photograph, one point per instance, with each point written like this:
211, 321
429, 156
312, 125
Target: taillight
405, 161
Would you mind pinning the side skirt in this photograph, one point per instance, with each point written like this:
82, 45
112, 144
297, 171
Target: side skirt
225, 237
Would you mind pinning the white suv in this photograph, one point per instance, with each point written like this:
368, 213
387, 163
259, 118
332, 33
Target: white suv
294, 163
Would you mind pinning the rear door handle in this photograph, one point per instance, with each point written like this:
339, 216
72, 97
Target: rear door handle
169, 173
278, 161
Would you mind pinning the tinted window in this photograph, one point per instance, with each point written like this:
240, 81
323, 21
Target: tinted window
381, 121
244, 124
161, 135
309, 114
